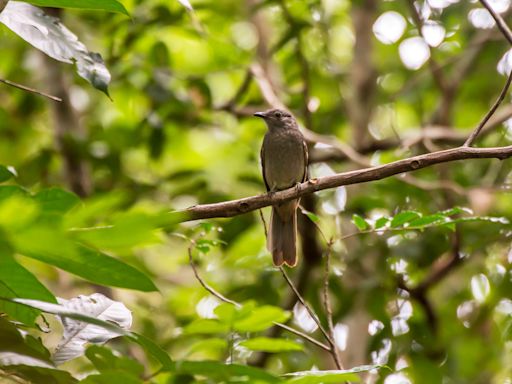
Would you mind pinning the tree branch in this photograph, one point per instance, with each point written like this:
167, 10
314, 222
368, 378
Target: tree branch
491, 112
248, 204
503, 27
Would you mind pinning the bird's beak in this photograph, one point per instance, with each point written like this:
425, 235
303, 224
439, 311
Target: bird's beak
260, 114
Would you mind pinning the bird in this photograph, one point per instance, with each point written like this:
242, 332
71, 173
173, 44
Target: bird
284, 161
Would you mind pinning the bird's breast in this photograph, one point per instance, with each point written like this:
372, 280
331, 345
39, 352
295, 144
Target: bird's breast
283, 156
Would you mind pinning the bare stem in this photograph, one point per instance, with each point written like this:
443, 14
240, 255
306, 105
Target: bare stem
328, 305
330, 341
491, 112
223, 298
31, 90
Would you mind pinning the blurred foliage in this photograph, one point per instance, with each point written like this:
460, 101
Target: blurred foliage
417, 284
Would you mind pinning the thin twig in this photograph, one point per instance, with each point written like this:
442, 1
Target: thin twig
303, 302
491, 112
223, 298
503, 27
303, 335
328, 305
31, 90
204, 283
264, 223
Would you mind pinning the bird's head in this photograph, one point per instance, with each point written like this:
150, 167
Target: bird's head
277, 118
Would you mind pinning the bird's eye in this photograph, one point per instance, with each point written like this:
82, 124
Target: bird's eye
278, 114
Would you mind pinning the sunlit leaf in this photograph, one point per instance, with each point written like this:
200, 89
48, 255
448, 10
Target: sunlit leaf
206, 326
331, 376
56, 200
359, 222
404, 217
260, 318
268, 344
381, 222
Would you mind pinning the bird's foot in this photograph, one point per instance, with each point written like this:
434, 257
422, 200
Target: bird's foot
298, 187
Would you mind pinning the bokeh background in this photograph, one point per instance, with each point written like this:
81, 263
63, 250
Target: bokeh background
375, 80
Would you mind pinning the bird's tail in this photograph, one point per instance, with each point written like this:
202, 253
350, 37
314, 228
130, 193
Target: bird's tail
283, 233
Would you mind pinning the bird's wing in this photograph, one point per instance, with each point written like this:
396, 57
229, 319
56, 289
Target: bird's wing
262, 159
306, 160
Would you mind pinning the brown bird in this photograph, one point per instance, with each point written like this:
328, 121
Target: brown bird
284, 161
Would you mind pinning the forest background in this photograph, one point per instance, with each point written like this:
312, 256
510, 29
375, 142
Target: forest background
405, 269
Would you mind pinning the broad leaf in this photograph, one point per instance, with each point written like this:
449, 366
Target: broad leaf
359, 222
331, 376
156, 351
27, 357
16, 281
56, 200
95, 5
268, 344
221, 372
112, 376
206, 326
49, 35
404, 217
55, 249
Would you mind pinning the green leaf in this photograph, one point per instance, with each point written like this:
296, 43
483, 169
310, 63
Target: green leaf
152, 348
5, 174
331, 376
206, 327
16, 281
33, 372
403, 218
127, 231
228, 313
260, 318
54, 249
381, 222
104, 359
211, 345
95, 5
12, 341
221, 372
311, 216
428, 220
27, 357
268, 344
112, 376
56, 200
359, 222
